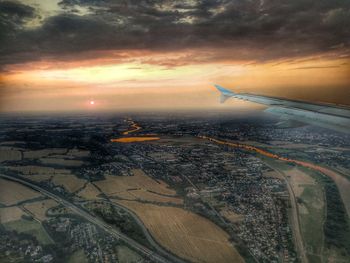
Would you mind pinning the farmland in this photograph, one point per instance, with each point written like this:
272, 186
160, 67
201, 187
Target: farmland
299, 180
9, 154
126, 255
185, 234
31, 227
311, 208
61, 161
145, 195
38, 209
42, 153
12, 193
34, 170
69, 181
89, 192
78, 256
139, 180
8, 214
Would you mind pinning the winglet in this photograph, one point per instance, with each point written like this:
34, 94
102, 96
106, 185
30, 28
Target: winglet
225, 93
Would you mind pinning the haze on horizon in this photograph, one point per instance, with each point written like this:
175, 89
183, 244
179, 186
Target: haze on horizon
144, 54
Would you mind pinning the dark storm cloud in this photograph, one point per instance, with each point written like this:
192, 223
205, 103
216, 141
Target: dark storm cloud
15, 9
12, 17
260, 29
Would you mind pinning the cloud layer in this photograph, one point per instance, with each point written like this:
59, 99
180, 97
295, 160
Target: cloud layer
245, 29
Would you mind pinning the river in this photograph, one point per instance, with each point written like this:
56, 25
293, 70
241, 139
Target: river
342, 183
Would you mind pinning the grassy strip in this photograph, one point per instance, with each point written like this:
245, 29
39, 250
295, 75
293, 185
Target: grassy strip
124, 222
336, 227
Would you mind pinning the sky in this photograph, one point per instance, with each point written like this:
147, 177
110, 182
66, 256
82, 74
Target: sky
167, 54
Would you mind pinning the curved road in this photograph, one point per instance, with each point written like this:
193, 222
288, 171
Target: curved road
149, 237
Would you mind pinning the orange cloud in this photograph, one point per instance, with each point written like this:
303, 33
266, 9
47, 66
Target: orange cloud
168, 80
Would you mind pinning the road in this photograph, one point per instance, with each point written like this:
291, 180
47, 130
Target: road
141, 249
145, 231
295, 219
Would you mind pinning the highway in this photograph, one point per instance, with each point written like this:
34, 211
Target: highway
145, 231
138, 247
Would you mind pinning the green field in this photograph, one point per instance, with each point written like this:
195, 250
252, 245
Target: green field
276, 164
10, 259
30, 227
323, 222
78, 256
126, 255
312, 220
337, 225
311, 208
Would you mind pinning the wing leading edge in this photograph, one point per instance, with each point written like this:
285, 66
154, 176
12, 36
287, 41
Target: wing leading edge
324, 115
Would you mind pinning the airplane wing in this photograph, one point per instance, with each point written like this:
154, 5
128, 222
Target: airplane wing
324, 115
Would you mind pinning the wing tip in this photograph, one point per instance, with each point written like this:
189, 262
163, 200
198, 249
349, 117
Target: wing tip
223, 90
225, 93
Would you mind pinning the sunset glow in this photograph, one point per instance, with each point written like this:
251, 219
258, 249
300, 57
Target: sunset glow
139, 74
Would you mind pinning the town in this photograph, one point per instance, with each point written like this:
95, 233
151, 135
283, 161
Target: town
93, 192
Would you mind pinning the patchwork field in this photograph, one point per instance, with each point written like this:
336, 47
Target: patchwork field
69, 181
31, 227
12, 143
12, 193
8, 214
343, 185
61, 161
299, 180
38, 173
126, 255
55, 152
144, 195
78, 256
311, 207
38, 209
90, 192
9, 154
139, 180
78, 153
42, 153
312, 216
186, 234
42, 170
